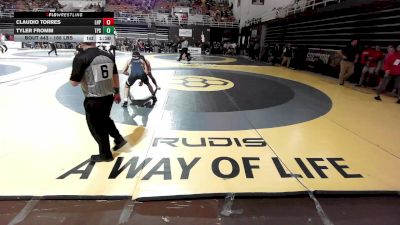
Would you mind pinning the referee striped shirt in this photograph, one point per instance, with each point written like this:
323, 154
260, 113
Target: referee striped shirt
94, 68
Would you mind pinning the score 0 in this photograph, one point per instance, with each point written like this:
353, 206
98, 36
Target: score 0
108, 30
108, 21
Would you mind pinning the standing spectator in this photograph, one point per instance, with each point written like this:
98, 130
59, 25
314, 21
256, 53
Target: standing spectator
257, 50
362, 65
370, 58
275, 52
225, 48
234, 46
3, 45
287, 55
349, 56
250, 49
392, 70
141, 46
300, 57
125, 45
147, 46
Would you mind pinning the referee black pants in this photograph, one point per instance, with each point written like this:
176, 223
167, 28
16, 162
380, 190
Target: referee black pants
99, 122
53, 49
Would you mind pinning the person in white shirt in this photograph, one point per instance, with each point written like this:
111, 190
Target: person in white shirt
3, 45
184, 50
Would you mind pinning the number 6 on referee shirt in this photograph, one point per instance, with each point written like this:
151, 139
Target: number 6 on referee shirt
102, 72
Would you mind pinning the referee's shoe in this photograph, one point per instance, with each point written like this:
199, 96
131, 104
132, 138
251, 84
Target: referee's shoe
101, 158
119, 143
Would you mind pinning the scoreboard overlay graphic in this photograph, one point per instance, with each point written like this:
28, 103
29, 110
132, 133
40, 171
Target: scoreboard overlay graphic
64, 26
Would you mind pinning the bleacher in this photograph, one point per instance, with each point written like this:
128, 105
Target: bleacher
331, 27
83, 5
160, 12
147, 12
35, 5
143, 32
299, 6
130, 6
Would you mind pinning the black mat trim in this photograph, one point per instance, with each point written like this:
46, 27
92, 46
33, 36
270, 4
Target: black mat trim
333, 194
66, 197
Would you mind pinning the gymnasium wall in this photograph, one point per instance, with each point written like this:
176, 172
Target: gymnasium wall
246, 10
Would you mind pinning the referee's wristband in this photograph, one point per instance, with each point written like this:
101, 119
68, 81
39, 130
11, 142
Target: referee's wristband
116, 90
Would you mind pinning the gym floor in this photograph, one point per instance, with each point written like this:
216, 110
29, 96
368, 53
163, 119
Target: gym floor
229, 141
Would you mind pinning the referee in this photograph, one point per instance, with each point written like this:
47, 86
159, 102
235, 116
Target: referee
184, 50
53, 48
97, 73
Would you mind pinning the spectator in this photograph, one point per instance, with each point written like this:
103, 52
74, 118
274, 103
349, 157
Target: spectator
257, 50
287, 55
273, 54
392, 70
370, 58
349, 56
300, 57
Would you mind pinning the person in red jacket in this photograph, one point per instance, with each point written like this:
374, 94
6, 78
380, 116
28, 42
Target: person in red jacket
392, 70
370, 59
